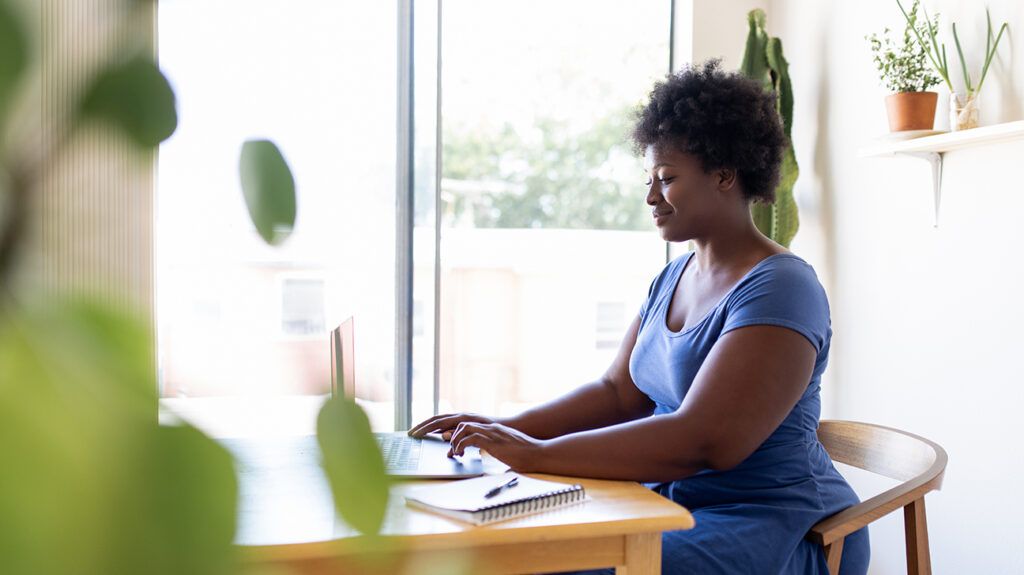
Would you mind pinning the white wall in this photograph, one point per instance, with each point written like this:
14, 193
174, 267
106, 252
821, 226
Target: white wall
927, 321
719, 30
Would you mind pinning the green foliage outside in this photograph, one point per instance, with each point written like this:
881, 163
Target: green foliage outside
90, 482
763, 61
587, 180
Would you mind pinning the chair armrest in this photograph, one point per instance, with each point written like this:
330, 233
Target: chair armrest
853, 518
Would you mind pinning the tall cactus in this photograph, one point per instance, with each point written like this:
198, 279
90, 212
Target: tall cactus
763, 61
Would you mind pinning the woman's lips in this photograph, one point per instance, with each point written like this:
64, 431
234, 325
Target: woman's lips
659, 217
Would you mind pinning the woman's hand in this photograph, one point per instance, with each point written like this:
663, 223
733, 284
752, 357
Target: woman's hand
510, 446
445, 424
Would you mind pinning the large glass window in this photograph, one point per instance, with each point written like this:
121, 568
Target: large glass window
532, 245
547, 246
243, 326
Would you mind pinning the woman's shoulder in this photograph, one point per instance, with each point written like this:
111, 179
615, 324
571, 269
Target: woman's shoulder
785, 268
782, 290
782, 281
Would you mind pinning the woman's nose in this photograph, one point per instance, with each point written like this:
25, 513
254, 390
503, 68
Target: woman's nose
653, 194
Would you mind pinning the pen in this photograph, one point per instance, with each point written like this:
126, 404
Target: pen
507, 485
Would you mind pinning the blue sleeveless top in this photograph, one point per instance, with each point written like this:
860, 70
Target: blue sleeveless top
752, 518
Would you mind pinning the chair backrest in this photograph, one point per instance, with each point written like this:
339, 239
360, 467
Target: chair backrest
890, 452
915, 461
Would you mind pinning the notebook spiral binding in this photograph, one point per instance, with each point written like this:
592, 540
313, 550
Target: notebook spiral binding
570, 494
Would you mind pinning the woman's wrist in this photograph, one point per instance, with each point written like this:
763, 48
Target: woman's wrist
543, 458
507, 422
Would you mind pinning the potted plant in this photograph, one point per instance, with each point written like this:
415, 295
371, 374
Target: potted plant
963, 106
903, 68
763, 61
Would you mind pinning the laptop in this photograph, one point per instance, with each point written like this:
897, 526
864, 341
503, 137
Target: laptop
404, 456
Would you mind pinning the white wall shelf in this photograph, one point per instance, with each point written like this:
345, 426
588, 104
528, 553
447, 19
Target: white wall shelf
932, 148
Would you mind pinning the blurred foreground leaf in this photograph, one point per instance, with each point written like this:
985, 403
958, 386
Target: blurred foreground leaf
13, 53
353, 464
50, 482
179, 495
136, 97
269, 190
90, 483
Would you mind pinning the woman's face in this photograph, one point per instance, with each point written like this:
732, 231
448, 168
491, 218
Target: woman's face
684, 199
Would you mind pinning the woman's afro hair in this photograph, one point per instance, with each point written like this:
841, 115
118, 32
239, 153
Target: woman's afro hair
725, 119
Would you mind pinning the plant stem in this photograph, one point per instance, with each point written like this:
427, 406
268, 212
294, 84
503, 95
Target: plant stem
929, 47
989, 54
963, 63
14, 227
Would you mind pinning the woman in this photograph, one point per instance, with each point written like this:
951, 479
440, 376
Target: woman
714, 394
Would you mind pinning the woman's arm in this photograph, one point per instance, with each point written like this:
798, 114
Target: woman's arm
610, 400
746, 387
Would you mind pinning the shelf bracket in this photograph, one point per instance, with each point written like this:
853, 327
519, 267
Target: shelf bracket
935, 159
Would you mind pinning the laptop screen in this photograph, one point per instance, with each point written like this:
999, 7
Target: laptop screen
343, 364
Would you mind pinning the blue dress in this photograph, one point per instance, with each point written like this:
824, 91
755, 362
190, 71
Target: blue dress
752, 518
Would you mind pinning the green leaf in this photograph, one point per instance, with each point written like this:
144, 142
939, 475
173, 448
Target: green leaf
97, 487
118, 346
136, 97
13, 54
50, 488
353, 464
963, 63
269, 190
178, 504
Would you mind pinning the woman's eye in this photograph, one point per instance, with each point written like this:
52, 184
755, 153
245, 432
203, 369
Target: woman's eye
648, 182
666, 180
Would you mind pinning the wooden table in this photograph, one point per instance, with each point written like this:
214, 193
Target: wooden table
286, 517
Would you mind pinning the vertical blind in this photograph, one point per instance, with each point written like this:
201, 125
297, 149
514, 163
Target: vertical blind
94, 232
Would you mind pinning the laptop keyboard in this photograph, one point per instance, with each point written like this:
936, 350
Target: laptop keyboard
400, 451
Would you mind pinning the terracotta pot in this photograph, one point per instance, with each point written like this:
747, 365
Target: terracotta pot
911, 110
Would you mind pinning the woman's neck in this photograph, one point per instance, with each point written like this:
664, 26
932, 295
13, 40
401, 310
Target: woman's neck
729, 247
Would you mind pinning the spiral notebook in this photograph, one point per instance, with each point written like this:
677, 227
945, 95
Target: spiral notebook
465, 500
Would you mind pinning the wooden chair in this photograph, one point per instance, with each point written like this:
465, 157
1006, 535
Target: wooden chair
916, 461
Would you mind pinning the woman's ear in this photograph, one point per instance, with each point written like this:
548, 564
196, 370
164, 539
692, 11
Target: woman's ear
726, 179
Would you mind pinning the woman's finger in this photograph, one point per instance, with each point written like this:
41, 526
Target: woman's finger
426, 424
471, 440
461, 430
484, 431
438, 423
446, 422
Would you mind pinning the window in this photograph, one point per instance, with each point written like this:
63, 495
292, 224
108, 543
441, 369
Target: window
243, 327
610, 324
302, 307
528, 215
542, 199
